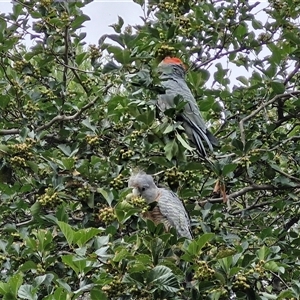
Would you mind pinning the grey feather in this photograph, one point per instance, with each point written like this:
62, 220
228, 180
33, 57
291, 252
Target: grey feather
172, 208
172, 78
168, 203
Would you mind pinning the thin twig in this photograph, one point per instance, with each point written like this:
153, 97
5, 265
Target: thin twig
256, 111
247, 189
292, 74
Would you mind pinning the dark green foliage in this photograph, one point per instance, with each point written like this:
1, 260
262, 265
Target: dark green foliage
75, 119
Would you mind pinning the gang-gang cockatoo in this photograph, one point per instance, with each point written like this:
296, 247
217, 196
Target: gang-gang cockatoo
172, 74
168, 210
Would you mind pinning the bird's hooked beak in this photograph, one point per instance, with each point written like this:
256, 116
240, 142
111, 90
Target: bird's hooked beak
135, 192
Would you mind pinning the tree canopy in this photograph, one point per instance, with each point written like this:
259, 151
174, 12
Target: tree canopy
75, 119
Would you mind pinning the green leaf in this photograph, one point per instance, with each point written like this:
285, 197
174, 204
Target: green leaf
205, 105
243, 80
28, 292
171, 149
183, 142
123, 253
271, 71
168, 129
28, 265
257, 24
290, 36
147, 118
237, 144
67, 231
287, 294
107, 194
274, 267
65, 149
79, 20
163, 278
4, 101
278, 87
84, 235
98, 294
241, 30
122, 56
220, 74
87, 123
195, 246
15, 282
229, 168
68, 163
263, 253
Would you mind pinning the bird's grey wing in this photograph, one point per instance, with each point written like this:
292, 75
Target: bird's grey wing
166, 101
194, 117
172, 208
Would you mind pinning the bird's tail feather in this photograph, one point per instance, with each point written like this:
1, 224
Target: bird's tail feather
214, 141
199, 136
199, 145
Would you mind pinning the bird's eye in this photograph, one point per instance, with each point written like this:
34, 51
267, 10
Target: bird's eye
143, 189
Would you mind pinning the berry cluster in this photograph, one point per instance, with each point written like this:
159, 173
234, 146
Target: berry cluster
184, 22
106, 215
218, 290
134, 134
30, 108
117, 183
21, 152
65, 17
173, 176
50, 198
92, 140
203, 272
46, 3
166, 50
137, 202
230, 13
95, 51
115, 288
126, 154
21, 64
83, 192
240, 283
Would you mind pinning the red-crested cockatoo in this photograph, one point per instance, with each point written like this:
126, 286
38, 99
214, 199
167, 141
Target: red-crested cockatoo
172, 74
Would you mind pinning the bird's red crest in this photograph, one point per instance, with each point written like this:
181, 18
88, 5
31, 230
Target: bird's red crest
173, 60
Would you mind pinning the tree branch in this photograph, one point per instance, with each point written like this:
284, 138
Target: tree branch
237, 212
286, 118
284, 142
256, 111
280, 102
292, 74
247, 189
59, 117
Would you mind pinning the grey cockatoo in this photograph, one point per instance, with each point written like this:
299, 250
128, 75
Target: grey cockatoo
169, 210
172, 77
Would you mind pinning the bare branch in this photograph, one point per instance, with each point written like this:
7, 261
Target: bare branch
284, 142
287, 175
247, 189
286, 118
237, 212
292, 74
256, 111
217, 56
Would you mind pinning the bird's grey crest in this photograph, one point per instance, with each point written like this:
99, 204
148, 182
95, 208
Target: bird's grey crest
139, 179
171, 68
